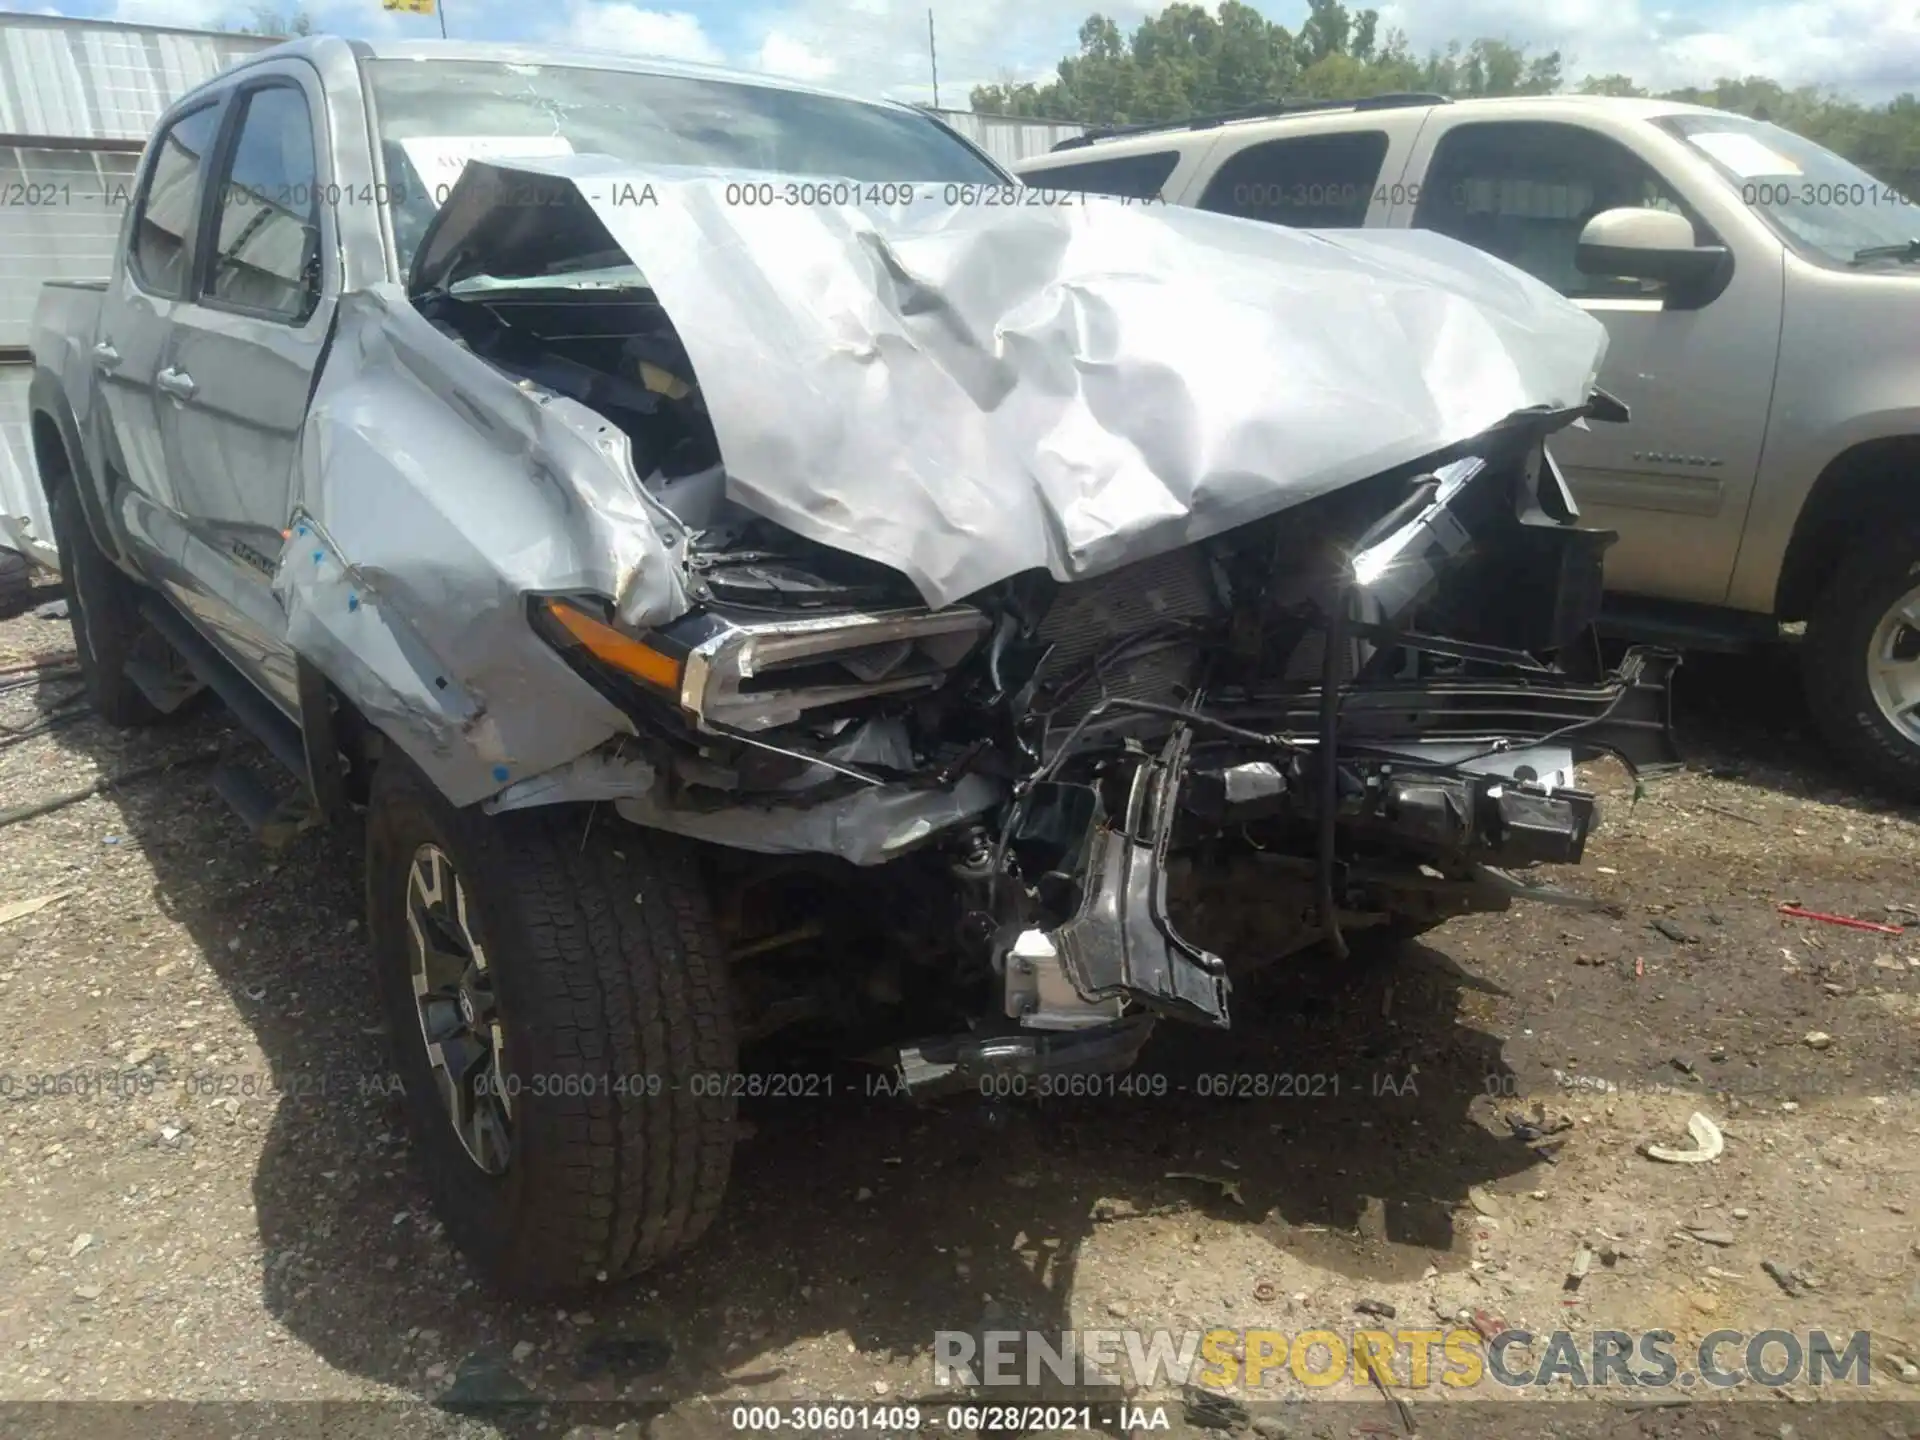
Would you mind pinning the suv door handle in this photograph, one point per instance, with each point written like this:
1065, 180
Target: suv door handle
176, 383
105, 357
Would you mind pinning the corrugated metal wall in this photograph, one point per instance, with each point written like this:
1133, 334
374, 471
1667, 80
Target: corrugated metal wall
77, 100
60, 213
96, 80
1009, 140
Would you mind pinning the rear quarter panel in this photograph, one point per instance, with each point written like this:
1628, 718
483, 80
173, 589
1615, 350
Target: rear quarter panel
61, 391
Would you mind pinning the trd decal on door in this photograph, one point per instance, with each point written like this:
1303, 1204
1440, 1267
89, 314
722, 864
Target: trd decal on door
250, 556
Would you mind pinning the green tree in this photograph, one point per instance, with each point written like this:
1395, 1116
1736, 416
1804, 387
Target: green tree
281, 24
1328, 29
1186, 61
1610, 85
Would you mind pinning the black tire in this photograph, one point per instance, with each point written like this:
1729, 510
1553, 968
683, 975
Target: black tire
1835, 663
610, 983
16, 579
101, 607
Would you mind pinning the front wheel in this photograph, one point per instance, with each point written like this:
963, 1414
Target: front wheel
562, 1030
1862, 663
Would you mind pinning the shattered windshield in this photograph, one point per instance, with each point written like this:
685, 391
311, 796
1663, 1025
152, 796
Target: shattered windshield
433, 116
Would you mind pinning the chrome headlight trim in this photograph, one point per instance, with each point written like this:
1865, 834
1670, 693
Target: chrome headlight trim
909, 651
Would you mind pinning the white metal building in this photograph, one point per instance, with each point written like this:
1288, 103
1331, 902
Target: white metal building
77, 99
1007, 139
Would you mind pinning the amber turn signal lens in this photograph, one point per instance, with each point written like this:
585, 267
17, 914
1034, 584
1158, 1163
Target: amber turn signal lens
622, 652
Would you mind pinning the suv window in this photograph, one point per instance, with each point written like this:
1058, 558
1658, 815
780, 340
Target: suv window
1321, 181
169, 203
1134, 177
267, 222
1524, 190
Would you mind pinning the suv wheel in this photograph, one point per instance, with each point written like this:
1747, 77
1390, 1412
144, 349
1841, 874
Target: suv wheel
101, 608
562, 1031
1862, 663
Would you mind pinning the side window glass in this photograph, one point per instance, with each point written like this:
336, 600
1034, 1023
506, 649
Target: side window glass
1133, 177
1319, 181
1524, 190
170, 203
267, 219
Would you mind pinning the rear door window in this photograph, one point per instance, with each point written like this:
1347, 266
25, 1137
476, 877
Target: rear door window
1318, 181
169, 203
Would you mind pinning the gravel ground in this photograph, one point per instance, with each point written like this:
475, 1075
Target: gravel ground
238, 1221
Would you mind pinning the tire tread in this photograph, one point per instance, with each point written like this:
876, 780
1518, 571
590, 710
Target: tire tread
626, 977
1838, 630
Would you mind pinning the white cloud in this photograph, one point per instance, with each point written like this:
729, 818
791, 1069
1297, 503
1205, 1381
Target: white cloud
190, 14
1869, 48
781, 54
339, 17
631, 30
880, 47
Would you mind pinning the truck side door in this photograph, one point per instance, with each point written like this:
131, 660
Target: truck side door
136, 318
1675, 481
241, 362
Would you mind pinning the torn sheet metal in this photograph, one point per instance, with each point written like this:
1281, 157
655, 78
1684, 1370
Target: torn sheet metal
866, 827
604, 774
432, 495
612, 772
965, 388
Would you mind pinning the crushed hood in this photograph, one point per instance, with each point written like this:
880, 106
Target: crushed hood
965, 391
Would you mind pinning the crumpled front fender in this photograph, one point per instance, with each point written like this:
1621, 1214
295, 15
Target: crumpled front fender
432, 495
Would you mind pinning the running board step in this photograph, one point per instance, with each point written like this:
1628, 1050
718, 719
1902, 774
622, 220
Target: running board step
275, 821
165, 683
266, 720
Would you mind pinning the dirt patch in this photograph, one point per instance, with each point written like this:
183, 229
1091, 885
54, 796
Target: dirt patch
216, 1204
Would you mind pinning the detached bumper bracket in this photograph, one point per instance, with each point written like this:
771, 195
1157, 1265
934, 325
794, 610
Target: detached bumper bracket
1120, 942
957, 1064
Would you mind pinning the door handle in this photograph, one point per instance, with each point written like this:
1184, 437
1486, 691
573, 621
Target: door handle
176, 383
105, 357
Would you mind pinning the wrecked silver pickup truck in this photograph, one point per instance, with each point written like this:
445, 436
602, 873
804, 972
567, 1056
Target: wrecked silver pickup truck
751, 564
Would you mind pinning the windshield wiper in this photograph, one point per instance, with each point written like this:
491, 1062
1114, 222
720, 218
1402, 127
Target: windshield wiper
1908, 251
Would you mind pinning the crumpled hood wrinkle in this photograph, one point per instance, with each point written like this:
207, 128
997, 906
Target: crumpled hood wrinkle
966, 391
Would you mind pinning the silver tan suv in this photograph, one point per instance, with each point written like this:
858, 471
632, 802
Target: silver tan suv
1762, 298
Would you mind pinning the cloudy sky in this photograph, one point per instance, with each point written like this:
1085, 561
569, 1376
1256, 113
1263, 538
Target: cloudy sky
1868, 48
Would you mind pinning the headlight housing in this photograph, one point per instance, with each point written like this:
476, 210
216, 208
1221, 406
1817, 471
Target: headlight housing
759, 675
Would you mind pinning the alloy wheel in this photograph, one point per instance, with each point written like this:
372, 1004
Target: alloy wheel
1893, 665
459, 1016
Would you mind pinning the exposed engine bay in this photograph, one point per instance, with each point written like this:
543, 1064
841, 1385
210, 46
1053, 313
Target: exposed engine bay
1364, 709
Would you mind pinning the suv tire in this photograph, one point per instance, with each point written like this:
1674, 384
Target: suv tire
601, 993
101, 606
1854, 629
